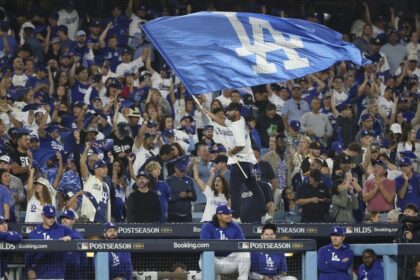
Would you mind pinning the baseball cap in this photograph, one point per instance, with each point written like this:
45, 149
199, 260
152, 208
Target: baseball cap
169, 132
221, 158
316, 175
54, 15
135, 113
2, 220
115, 83
28, 24
54, 40
62, 27
218, 149
234, 106
143, 173
336, 230
396, 128
223, 209
181, 163
208, 127
99, 163
48, 211
187, 117
69, 214
96, 22
81, 33
412, 57
315, 146
405, 162
375, 41
337, 147
408, 154
6, 159
365, 133
126, 50
295, 125
381, 163
346, 159
109, 225
79, 104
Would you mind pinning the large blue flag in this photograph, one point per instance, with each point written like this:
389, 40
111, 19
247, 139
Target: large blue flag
218, 50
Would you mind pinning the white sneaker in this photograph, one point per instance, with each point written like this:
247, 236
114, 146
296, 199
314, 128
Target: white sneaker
267, 218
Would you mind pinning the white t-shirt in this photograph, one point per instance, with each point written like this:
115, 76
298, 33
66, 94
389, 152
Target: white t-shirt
33, 211
71, 20
161, 84
212, 203
240, 138
141, 156
276, 100
339, 97
96, 188
385, 105
131, 67
225, 101
135, 25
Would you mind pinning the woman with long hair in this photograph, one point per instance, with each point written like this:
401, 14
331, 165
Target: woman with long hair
291, 209
5, 196
216, 191
38, 196
177, 151
408, 142
120, 180
160, 187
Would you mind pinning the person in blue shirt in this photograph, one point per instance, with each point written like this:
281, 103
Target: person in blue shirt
407, 185
269, 266
335, 259
46, 265
120, 266
371, 269
76, 262
223, 228
10, 237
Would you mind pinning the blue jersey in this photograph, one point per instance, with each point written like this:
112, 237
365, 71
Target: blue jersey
76, 264
120, 265
268, 264
5, 198
11, 237
232, 231
376, 272
164, 192
413, 193
78, 92
332, 264
48, 265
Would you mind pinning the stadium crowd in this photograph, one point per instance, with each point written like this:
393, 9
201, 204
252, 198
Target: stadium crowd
96, 124
93, 120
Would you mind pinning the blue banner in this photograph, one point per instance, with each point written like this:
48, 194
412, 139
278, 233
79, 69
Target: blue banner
211, 51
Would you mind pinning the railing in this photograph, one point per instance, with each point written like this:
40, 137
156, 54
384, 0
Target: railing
207, 248
192, 231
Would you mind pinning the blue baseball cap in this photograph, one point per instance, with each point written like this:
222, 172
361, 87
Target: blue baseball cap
218, 149
366, 133
295, 125
99, 163
405, 162
181, 163
69, 214
2, 220
408, 154
208, 127
223, 209
143, 173
187, 117
339, 231
62, 27
169, 132
337, 147
381, 163
48, 211
109, 225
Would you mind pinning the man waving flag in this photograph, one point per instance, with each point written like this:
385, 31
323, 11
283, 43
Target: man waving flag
218, 50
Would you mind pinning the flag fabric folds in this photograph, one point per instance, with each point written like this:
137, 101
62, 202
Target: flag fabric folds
211, 51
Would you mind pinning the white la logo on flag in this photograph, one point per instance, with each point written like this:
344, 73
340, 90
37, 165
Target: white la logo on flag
260, 48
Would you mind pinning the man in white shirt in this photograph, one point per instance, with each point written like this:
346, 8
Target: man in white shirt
224, 98
127, 66
70, 18
137, 19
278, 95
240, 153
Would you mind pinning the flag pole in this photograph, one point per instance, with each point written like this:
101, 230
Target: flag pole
224, 144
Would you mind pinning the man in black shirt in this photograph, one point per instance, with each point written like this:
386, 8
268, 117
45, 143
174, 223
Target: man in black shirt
143, 205
21, 156
122, 142
270, 120
314, 198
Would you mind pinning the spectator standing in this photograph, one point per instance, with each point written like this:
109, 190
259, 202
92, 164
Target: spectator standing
223, 228
159, 186
183, 193
379, 192
344, 201
314, 198
362, 42
5, 195
143, 205
335, 259
394, 51
16, 188
294, 108
120, 266
407, 185
203, 165
10, 237
372, 268
216, 191
38, 196
266, 265
96, 204
48, 265
21, 156
70, 18
269, 124
316, 124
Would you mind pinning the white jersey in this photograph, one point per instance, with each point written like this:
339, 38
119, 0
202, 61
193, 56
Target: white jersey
100, 191
130, 67
212, 202
141, 156
221, 134
161, 84
240, 138
134, 29
71, 20
33, 211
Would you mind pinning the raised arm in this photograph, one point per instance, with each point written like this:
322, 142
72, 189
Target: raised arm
84, 170
196, 175
60, 170
30, 189
103, 35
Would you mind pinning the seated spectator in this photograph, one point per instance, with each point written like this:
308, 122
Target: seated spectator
393, 215
216, 191
291, 208
372, 268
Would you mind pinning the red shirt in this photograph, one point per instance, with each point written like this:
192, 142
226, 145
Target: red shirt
378, 202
